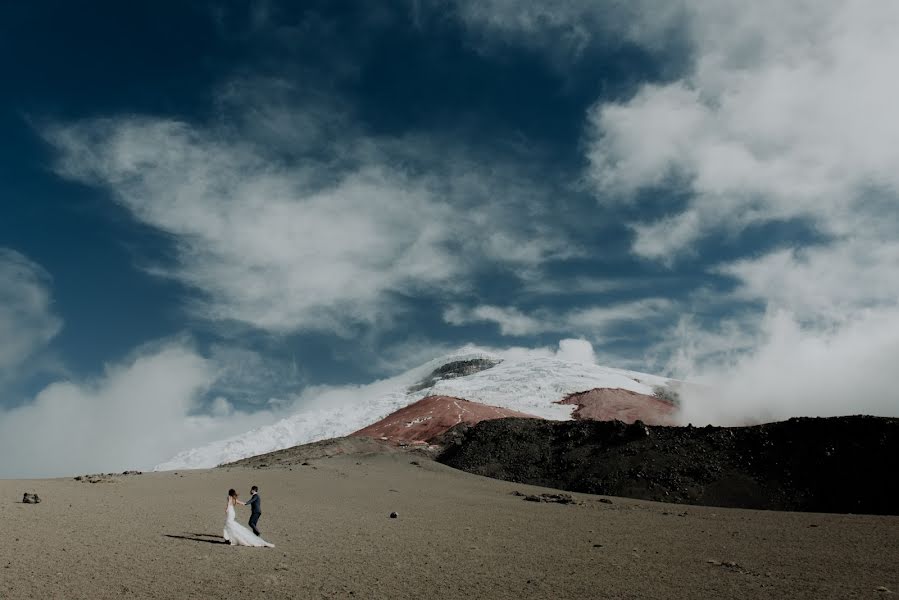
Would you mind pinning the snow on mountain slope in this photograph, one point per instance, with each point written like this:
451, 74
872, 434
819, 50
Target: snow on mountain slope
523, 382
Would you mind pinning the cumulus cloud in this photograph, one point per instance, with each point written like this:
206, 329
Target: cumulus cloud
27, 319
791, 370
785, 118
293, 218
592, 320
247, 376
136, 414
510, 320
777, 119
830, 284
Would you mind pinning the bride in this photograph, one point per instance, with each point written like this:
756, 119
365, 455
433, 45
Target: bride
236, 533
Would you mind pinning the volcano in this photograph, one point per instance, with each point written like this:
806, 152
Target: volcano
468, 386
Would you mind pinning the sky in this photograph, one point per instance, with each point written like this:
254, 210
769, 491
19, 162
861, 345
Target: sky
210, 210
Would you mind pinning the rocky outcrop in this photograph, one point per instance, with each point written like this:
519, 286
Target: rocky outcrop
430, 417
451, 370
844, 464
611, 404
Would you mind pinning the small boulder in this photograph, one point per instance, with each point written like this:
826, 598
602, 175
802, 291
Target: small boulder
31, 499
393, 515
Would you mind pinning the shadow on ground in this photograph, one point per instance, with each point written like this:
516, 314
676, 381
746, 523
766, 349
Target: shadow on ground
209, 538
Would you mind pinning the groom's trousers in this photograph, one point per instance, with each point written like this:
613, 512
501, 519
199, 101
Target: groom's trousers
254, 518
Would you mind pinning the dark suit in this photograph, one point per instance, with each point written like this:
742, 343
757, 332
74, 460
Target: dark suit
255, 512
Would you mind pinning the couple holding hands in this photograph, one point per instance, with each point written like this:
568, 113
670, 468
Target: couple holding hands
237, 534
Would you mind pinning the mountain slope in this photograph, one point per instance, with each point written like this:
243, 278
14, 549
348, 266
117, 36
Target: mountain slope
834, 464
614, 404
432, 416
528, 384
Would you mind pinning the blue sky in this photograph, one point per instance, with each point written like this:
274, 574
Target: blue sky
253, 201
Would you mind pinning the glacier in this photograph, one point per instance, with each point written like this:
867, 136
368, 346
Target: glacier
519, 381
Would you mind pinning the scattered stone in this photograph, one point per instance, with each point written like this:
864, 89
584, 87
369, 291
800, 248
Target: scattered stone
305, 463
883, 590
554, 498
605, 501
393, 515
597, 545
96, 478
415, 462
517, 493
31, 499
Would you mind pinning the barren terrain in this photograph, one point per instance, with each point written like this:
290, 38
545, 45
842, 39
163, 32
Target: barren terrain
457, 535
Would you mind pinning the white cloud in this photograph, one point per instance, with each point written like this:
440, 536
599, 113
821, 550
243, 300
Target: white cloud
511, 321
793, 370
138, 413
576, 351
566, 28
595, 320
292, 218
824, 347
598, 318
779, 118
829, 283
785, 113
246, 375
569, 349
27, 320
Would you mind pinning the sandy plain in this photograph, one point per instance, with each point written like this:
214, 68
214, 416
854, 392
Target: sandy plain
157, 535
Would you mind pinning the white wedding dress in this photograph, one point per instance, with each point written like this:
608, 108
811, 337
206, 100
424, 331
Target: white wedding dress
239, 535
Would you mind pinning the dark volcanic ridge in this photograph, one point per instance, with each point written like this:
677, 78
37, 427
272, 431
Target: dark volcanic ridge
838, 464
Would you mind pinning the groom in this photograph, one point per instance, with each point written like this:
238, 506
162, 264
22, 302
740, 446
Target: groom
255, 510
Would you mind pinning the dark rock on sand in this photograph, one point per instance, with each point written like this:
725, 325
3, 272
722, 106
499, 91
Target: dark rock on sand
553, 498
31, 498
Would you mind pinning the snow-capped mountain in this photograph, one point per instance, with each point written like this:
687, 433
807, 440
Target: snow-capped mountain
528, 384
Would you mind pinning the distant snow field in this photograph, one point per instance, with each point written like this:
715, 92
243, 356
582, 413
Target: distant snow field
529, 384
